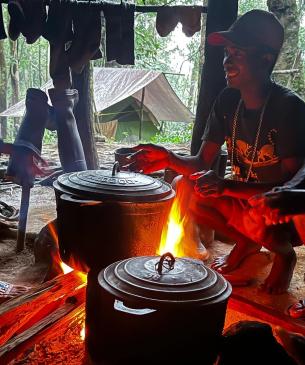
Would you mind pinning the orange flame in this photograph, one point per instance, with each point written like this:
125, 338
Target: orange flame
173, 232
57, 262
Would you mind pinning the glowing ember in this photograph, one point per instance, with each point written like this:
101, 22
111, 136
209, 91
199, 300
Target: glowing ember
65, 268
172, 234
57, 260
82, 333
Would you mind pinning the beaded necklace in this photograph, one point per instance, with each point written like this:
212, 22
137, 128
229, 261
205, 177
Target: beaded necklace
235, 119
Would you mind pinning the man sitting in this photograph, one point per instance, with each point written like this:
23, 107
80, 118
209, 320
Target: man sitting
263, 126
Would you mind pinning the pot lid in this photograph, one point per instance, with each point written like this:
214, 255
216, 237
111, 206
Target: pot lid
164, 280
114, 185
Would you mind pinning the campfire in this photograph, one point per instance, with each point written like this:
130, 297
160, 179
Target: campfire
172, 234
33, 317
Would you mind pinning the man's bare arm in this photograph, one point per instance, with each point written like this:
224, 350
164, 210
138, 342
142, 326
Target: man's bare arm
187, 165
150, 157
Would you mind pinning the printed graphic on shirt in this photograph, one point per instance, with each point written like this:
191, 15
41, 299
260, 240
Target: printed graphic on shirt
243, 155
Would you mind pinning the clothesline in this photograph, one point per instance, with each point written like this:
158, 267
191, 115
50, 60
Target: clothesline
138, 8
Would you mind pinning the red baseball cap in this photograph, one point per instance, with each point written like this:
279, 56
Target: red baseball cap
256, 28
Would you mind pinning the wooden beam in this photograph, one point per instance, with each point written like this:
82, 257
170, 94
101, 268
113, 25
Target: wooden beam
45, 322
265, 314
21, 312
45, 336
221, 14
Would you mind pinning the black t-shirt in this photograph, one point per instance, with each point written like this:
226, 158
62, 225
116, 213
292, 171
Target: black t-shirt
282, 133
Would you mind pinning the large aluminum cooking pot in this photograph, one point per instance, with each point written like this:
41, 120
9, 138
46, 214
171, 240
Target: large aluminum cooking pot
152, 310
107, 215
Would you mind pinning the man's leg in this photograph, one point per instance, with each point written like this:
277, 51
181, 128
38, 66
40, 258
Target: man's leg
297, 310
299, 224
278, 240
216, 212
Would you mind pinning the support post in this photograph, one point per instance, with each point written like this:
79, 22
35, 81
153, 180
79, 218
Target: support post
84, 115
141, 113
221, 14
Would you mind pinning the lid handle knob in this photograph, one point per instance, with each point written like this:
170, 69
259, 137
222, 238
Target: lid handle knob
167, 261
116, 168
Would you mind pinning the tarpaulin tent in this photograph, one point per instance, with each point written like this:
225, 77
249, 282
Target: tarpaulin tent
127, 94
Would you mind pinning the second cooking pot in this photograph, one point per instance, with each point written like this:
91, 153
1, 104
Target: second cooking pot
155, 310
107, 215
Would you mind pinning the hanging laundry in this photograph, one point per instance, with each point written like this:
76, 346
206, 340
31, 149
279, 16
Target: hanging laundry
190, 18
168, 18
87, 29
17, 19
27, 17
58, 27
120, 33
58, 31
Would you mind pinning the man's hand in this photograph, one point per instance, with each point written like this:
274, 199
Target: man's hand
148, 158
24, 164
208, 183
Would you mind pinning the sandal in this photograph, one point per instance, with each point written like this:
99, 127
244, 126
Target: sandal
9, 291
8, 212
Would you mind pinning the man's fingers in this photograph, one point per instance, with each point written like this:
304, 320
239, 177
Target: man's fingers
206, 184
140, 166
197, 175
148, 147
256, 200
140, 155
206, 191
133, 166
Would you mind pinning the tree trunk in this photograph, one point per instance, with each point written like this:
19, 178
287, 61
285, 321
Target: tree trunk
221, 14
3, 91
84, 115
39, 63
289, 15
202, 43
14, 77
14, 72
192, 91
47, 75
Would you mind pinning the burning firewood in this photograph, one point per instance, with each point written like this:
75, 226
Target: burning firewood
59, 336
21, 313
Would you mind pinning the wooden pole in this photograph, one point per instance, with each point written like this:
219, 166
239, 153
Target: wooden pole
23, 216
221, 14
141, 113
28, 308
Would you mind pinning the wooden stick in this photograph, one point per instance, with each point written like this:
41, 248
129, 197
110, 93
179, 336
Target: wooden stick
23, 216
43, 323
250, 308
70, 320
17, 312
